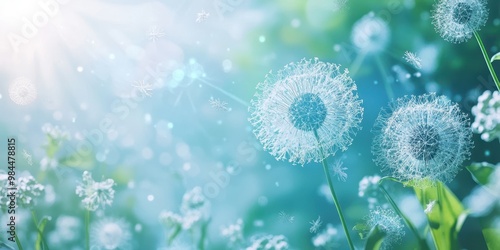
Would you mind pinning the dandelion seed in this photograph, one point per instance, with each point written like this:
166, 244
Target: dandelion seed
487, 116
300, 100
291, 219
339, 170
457, 20
429, 206
389, 222
27, 157
110, 233
371, 34
315, 225
202, 16
268, 242
425, 137
413, 59
143, 87
155, 33
96, 194
22, 91
218, 104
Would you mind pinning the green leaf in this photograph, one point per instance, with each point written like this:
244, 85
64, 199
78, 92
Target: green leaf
41, 227
52, 146
375, 238
492, 237
481, 172
446, 217
80, 160
361, 228
495, 57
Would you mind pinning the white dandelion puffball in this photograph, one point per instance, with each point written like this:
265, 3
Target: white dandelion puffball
22, 91
371, 34
110, 233
456, 20
390, 223
423, 137
302, 102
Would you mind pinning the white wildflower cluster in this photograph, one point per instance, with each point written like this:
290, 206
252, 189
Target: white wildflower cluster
27, 190
487, 113
55, 132
95, 194
329, 238
368, 187
234, 233
195, 210
268, 242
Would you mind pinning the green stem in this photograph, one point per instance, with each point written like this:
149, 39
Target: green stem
334, 196
387, 85
421, 241
487, 60
201, 243
87, 225
18, 242
40, 233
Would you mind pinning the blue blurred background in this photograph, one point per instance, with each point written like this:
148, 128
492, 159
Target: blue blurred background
198, 63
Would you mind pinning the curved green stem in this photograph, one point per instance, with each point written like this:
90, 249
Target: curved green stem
40, 233
18, 242
421, 241
87, 225
487, 60
334, 196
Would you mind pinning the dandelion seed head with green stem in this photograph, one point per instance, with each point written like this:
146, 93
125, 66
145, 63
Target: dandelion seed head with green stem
422, 137
457, 20
389, 222
300, 100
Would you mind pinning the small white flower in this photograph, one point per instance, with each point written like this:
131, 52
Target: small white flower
234, 233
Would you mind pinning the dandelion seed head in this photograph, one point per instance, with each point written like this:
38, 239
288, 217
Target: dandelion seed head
389, 222
422, 137
95, 194
456, 20
22, 91
370, 34
301, 99
110, 233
